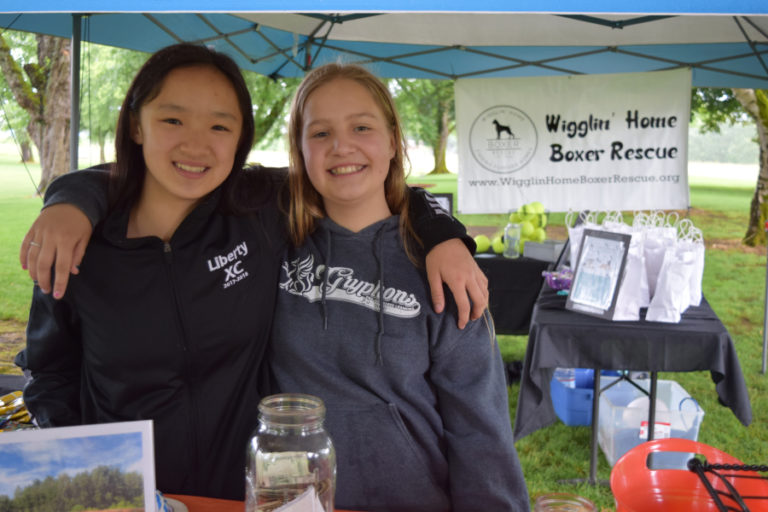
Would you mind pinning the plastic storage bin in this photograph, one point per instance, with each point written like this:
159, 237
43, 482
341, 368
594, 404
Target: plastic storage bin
548, 250
623, 420
571, 390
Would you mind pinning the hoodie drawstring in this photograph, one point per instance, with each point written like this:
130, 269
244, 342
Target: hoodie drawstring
378, 253
325, 278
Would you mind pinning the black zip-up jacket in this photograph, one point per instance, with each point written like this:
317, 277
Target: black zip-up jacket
174, 332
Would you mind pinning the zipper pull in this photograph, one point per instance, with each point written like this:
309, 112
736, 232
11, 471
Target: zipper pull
167, 251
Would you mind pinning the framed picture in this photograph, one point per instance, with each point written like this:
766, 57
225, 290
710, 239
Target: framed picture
598, 273
93, 467
445, 201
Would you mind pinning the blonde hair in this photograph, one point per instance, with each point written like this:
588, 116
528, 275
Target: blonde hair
306, 204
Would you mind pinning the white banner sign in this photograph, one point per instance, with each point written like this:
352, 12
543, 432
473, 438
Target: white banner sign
587, 142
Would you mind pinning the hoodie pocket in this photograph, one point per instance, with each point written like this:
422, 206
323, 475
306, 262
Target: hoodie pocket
379, 463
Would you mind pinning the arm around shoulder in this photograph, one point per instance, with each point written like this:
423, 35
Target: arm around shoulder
432, 223
449, 257
74, 203
87, 189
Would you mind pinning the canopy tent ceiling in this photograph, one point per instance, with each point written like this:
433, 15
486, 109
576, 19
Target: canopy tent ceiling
724, 50
559, 6
725, 43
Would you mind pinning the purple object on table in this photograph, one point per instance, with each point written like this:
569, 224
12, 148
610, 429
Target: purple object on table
558, 280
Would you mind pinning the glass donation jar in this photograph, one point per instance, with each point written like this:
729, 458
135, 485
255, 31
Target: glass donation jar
290, 455
563, 502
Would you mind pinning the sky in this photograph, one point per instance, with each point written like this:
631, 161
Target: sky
24, 462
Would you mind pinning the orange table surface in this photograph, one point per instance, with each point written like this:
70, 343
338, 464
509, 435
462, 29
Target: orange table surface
199, 504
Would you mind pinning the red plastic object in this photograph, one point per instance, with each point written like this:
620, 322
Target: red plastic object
637, 488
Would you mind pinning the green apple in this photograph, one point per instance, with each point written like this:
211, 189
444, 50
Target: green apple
539, 235
483, 243
497, 244
526, 229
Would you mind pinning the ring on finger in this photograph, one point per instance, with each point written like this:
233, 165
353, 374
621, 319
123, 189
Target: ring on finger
34, 244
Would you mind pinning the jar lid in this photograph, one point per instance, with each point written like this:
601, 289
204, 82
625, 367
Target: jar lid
291, 409
563, 502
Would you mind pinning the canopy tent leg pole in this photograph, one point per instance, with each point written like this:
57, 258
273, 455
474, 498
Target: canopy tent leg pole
765, 313
74, 124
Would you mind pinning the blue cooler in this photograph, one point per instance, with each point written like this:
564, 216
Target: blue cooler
585, 377
571, 391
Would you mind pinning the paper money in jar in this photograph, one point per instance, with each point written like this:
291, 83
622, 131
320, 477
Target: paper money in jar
291, 460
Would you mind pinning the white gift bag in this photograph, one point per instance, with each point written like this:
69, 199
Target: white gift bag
659, 236
672, 296
576, 222
633, 292
614, 221
691, 242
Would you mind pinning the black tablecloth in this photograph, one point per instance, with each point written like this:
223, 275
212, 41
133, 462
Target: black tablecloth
513, 285
562, 338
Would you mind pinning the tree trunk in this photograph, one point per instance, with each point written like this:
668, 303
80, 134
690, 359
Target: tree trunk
440, 148
102, 139
755, 102
54, 149
26, 152
439, 153
45, 97
263, 124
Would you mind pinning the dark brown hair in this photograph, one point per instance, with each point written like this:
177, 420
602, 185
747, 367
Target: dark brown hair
129, 170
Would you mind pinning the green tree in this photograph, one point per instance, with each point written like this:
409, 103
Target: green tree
100, 105
103, 488
428, 115
15, 119
40, 84
270, 98
717, 106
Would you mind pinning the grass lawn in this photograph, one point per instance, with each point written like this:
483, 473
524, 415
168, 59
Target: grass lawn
734, 284
18, 208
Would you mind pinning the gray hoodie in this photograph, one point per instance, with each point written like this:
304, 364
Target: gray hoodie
416, 408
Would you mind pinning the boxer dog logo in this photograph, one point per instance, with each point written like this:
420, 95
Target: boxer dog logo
503, 139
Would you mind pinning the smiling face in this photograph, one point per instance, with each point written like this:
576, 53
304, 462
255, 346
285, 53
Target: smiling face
347, 146
189, 134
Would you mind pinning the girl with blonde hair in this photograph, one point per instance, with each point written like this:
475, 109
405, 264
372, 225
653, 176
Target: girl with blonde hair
416, 407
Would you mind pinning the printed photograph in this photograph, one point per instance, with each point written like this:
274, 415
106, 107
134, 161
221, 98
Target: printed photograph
93, 468
596, 282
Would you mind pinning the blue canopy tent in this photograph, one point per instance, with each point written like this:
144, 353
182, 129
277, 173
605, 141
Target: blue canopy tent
725, 43
724, 47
